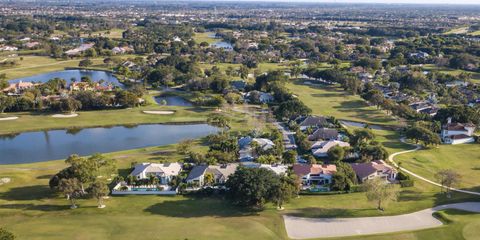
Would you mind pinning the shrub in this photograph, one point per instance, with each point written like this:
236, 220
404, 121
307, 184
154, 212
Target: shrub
402, 176
406, 183
442, 217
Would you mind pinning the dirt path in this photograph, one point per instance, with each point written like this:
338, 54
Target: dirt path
304, 228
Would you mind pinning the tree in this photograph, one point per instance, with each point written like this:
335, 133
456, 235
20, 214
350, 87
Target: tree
3, 82
344, 178
378, 190
184, 146
336, 153
285, 191
267, 159
295, 71
243, 71
71, 188
126, 99
70, 105
99, 190
219, 121
5, 102
85, 63
289, 157
209, 179
6, 235
252, 187
418, 133
82, 170
86, 170
291, 109
448, 178
362, 135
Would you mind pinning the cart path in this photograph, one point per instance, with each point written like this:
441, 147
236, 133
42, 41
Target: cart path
304, 228
418, 147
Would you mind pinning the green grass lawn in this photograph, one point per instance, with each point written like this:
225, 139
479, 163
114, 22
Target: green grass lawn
263, 67
30, 210
204, 37
333, 101
31, 121
112, 33
33, 65
463, 158
458, 30
475, 76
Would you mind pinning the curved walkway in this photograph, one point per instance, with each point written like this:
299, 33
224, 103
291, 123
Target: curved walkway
418, 147
304, 228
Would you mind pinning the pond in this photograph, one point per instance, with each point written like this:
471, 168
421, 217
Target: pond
69, 74
42, 146
173, 101
220, 44
225, 45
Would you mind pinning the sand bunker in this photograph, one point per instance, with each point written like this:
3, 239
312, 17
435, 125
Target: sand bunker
5, 180
159, 112
8, 118
65, 115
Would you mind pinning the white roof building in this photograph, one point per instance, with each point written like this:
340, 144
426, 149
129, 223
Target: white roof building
320, 148
161, 170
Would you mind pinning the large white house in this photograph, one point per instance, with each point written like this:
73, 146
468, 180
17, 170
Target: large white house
457, 133
164, 171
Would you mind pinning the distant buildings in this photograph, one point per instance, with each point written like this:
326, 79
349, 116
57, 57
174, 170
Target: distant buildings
8, 48
19, 87
77, 51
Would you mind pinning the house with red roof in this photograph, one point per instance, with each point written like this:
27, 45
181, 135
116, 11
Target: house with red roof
315, 177
457, 133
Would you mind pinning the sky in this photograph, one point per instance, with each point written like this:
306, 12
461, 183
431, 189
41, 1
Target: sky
382, 1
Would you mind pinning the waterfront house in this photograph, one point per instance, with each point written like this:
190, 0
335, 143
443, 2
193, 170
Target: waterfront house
164, 171
220, 173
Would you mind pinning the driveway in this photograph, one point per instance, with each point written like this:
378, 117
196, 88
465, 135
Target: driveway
304, 228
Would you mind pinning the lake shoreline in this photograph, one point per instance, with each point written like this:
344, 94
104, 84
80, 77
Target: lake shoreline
104, 126
59, 144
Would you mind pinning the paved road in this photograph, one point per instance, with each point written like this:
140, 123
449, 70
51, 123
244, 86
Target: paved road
418, 147
304, 228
